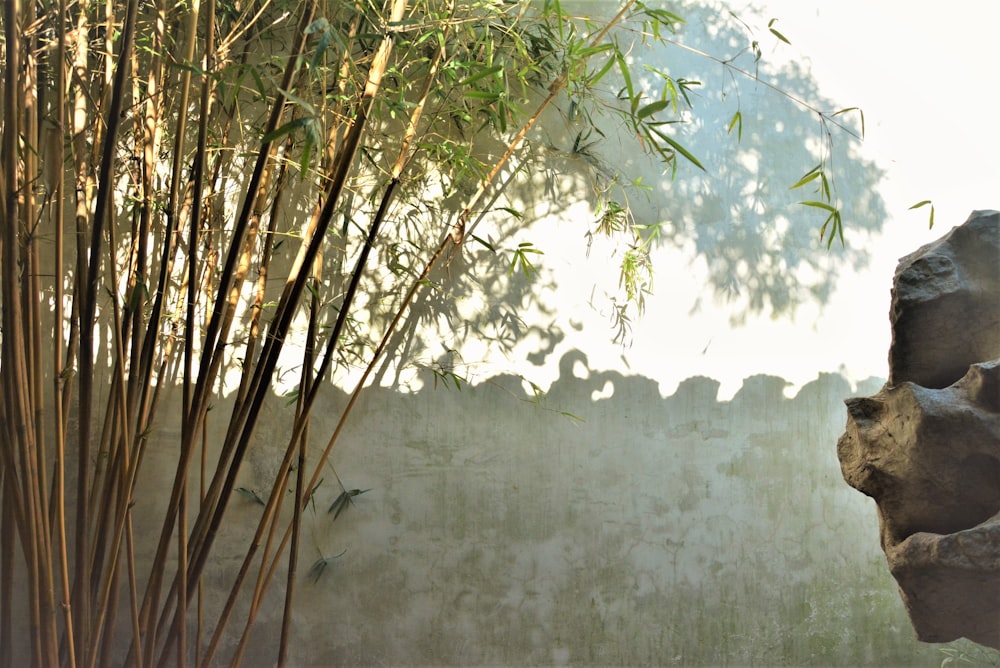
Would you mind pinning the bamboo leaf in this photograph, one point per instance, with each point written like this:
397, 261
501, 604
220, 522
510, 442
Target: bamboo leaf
482, 74
593, 79
923, 204
652, 108
288, 127
680, 149
861, 113
627, 77
291, 97
774, 31
780, 36
575, 418
319, 566
591, 51
737, 122
345, 499
809, 176
662, 16
820, 205
485, 243
251, 495
514, 212
319, 25
488, 96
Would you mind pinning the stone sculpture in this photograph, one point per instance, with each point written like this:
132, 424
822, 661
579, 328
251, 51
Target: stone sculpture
927, 446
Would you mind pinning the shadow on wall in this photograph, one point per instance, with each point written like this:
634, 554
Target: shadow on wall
760, 250
761, 247
660, 530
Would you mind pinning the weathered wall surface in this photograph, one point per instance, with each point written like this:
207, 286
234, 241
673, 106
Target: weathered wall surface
662, 530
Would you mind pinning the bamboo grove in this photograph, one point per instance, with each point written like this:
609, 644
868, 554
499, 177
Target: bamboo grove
155, 155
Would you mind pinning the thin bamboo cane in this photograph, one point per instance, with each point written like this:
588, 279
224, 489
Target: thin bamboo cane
33, 91
59, 464
219, 321
189, 425
450, 239
14, 373
290, 296
300, 493
103, 212
7, 565
257, 309
310, 392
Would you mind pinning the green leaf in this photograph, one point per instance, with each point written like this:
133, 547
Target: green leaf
838, 229
680, 149
345, 499
662, 16
737, 122
484, 95
291, 97
627, 77
811, 175
482, 74
575, 418
521, 260
319, 25
290, 126
652, 108
258, 82
597, 76
514, 212
316, 570
250, 494
922, 204
485, 243
774, 31
820, 205
590, 51
861, 113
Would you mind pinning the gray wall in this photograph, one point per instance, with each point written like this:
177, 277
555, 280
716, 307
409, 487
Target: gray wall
658, 531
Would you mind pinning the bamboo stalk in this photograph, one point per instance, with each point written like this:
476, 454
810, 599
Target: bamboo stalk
301, 493
103, 213
309, 393
451, 237
207, 523
207, 371
213, 343
58, 376
14, 376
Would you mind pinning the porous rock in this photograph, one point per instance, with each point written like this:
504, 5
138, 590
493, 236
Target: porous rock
927, 446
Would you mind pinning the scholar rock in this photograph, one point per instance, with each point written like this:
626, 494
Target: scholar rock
927, 446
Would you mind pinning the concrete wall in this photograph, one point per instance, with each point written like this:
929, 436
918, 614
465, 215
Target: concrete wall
678, 530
